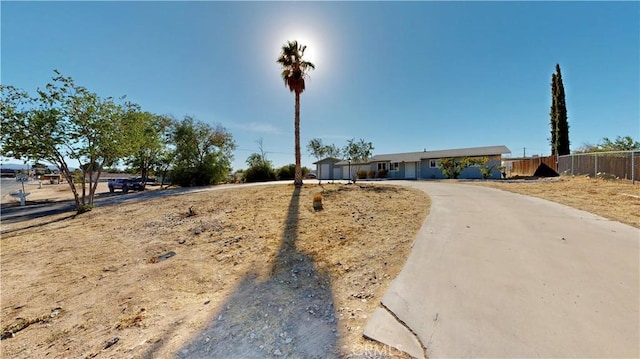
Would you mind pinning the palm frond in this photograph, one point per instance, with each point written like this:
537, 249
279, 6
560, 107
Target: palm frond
307, 64
294, 68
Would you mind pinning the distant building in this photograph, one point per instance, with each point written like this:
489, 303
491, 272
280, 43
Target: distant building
413, 165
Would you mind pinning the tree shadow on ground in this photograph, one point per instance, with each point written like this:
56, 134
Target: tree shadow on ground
289, 315
37, 225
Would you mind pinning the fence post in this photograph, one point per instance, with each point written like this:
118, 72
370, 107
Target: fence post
633, 167
572, 157
595, 167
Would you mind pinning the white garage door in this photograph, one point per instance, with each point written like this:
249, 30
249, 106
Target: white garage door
345, 172
410, 170
325, 171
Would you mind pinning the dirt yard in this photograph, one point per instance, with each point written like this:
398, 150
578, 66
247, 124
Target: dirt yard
251, 272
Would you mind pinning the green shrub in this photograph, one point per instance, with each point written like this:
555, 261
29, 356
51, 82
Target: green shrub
452, 167
362, 174
485, 167
382, 173
288, 172
371, 174
84, 208
259, 173
201, 174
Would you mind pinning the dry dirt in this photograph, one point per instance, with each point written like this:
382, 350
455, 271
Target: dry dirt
256, 273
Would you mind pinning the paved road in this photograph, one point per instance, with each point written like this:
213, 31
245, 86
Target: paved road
10, 185
500, 275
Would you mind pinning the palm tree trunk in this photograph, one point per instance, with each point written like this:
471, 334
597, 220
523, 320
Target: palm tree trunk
298, 175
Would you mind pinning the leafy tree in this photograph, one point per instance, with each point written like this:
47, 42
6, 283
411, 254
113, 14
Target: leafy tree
152, 142
165, 160
260, 168
452, 167
359, 153
67, 122
202, 153
559, 124
586, 147
112, 169
619, 144
317, 150
40, 168
166, 155
255, 159
332, 151
484, 166
287, 172
260, 158
294, 71
260, 172
626, 143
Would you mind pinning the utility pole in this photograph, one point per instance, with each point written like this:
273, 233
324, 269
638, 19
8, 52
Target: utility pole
524, 152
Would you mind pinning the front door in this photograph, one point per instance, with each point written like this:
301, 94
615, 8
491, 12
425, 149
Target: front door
410, 170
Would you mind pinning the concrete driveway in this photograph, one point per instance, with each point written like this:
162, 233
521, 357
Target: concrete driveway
494, 274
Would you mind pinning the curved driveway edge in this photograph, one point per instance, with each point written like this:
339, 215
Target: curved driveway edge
495, 274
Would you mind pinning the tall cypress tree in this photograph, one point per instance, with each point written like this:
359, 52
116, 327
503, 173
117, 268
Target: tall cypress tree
554, 119
562, 123
559, 123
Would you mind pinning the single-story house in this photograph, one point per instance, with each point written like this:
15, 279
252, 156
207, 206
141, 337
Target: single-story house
412, 165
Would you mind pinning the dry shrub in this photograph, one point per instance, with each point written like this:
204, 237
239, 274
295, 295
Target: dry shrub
317, 201
129, 321
192, 212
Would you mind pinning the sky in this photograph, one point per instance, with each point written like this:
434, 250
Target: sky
406, 76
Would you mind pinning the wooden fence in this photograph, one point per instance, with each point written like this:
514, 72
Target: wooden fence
623, 164
527, 167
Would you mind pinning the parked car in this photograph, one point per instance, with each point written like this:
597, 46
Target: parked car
138, 183
126, 184
311, 176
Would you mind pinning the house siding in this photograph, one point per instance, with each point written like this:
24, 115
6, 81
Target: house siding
427, 172
422, 171
325, 169
468, 173
422, 161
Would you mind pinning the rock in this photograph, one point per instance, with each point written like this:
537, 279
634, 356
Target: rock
277, 352
111, 342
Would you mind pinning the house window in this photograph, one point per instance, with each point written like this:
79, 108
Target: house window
394, 166
433, 163
382, 166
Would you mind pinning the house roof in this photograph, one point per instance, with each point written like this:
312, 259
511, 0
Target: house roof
424, 155
327, 159
467, 152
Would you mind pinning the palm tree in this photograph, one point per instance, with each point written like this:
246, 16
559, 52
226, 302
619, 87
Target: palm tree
294, 70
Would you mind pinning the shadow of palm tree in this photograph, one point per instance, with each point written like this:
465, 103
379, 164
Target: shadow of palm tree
289, 315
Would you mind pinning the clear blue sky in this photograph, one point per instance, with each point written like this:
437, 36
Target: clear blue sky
405, 76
